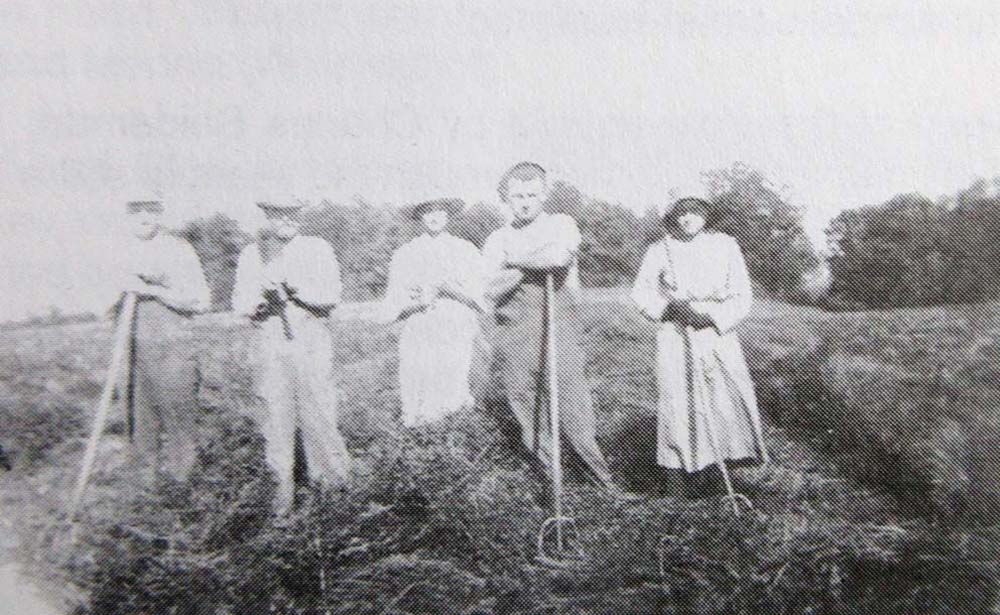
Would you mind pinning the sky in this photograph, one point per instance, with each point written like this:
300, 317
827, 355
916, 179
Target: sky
213, 106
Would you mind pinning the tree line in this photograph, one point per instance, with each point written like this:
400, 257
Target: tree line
908, 251
912, 251
615, 237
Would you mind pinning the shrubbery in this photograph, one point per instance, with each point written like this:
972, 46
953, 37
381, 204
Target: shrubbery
908, 251
912, 251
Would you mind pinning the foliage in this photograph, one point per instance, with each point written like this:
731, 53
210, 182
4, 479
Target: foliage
364, 236
912, 251
218, 241
768, 228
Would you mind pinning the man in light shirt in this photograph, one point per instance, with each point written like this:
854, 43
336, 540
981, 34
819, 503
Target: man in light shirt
160, 388
287, 284
518, 257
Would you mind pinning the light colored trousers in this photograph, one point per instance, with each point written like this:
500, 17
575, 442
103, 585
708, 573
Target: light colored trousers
297, 385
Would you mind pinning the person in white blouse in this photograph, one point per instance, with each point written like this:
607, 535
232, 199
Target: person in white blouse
694, 284
160, 387
287, 285
435, 289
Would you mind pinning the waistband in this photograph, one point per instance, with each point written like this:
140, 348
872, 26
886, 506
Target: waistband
536, 277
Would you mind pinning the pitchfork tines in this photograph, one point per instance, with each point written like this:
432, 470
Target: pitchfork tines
559, 543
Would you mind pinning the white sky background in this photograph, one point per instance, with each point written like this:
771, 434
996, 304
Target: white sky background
213, 105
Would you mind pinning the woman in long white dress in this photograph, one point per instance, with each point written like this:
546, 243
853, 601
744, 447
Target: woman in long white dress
435, 288
695, 283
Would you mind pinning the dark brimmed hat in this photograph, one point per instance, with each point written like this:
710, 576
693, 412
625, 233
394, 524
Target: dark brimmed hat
276, 207
451, 205
686, 205
153, 207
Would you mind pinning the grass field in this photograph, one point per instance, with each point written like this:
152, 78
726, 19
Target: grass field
882, 497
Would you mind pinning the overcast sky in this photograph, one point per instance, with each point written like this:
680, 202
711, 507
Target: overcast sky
213, 105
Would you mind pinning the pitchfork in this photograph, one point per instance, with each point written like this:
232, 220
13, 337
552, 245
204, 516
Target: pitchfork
562, 526
708, 419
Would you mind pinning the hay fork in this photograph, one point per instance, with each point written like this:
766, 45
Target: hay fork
559, 524
708, 419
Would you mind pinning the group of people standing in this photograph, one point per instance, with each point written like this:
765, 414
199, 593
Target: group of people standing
693, 283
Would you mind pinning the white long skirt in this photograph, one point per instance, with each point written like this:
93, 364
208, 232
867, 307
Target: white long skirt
435, 357
707, 406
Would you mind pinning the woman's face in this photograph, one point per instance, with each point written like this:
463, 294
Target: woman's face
435, 221
145, 224
690, 223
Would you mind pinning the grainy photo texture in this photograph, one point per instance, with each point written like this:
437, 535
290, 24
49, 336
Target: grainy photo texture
520, 308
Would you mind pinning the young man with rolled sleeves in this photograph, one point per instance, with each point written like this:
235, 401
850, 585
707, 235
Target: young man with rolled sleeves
518, 257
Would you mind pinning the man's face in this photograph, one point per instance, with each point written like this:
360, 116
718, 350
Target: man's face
525, 198
144, 224
283, 224
690, 223
435, 221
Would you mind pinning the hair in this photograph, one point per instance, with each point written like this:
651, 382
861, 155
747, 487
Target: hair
523, 171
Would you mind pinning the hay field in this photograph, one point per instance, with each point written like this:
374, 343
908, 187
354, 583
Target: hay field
881, 498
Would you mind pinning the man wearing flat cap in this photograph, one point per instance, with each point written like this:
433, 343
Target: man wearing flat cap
160, 388
287, 285
435, 288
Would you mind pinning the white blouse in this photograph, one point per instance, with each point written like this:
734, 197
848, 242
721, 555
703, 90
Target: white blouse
708, 270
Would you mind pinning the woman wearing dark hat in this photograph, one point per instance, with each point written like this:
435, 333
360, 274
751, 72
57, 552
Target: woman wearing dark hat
435, 288
695, 283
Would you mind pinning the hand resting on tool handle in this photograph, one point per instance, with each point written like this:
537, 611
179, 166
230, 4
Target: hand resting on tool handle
504, 283
273, 304
683, 314
549, 256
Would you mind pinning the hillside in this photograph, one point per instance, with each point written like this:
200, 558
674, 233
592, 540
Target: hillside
877, 483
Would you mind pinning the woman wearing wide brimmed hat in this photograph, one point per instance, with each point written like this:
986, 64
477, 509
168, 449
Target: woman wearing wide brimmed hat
435, 288
694, 282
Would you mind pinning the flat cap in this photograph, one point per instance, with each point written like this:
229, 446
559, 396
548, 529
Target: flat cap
134, 207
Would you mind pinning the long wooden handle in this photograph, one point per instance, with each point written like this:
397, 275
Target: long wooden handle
118, 353
550, 314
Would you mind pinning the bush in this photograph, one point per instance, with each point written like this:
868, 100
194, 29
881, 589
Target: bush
912, 251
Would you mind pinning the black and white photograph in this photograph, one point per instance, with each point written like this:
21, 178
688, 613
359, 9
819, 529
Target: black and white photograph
385, 307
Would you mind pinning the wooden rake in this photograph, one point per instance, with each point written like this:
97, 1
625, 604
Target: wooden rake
119, 355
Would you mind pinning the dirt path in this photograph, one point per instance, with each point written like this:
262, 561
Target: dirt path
19, 593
